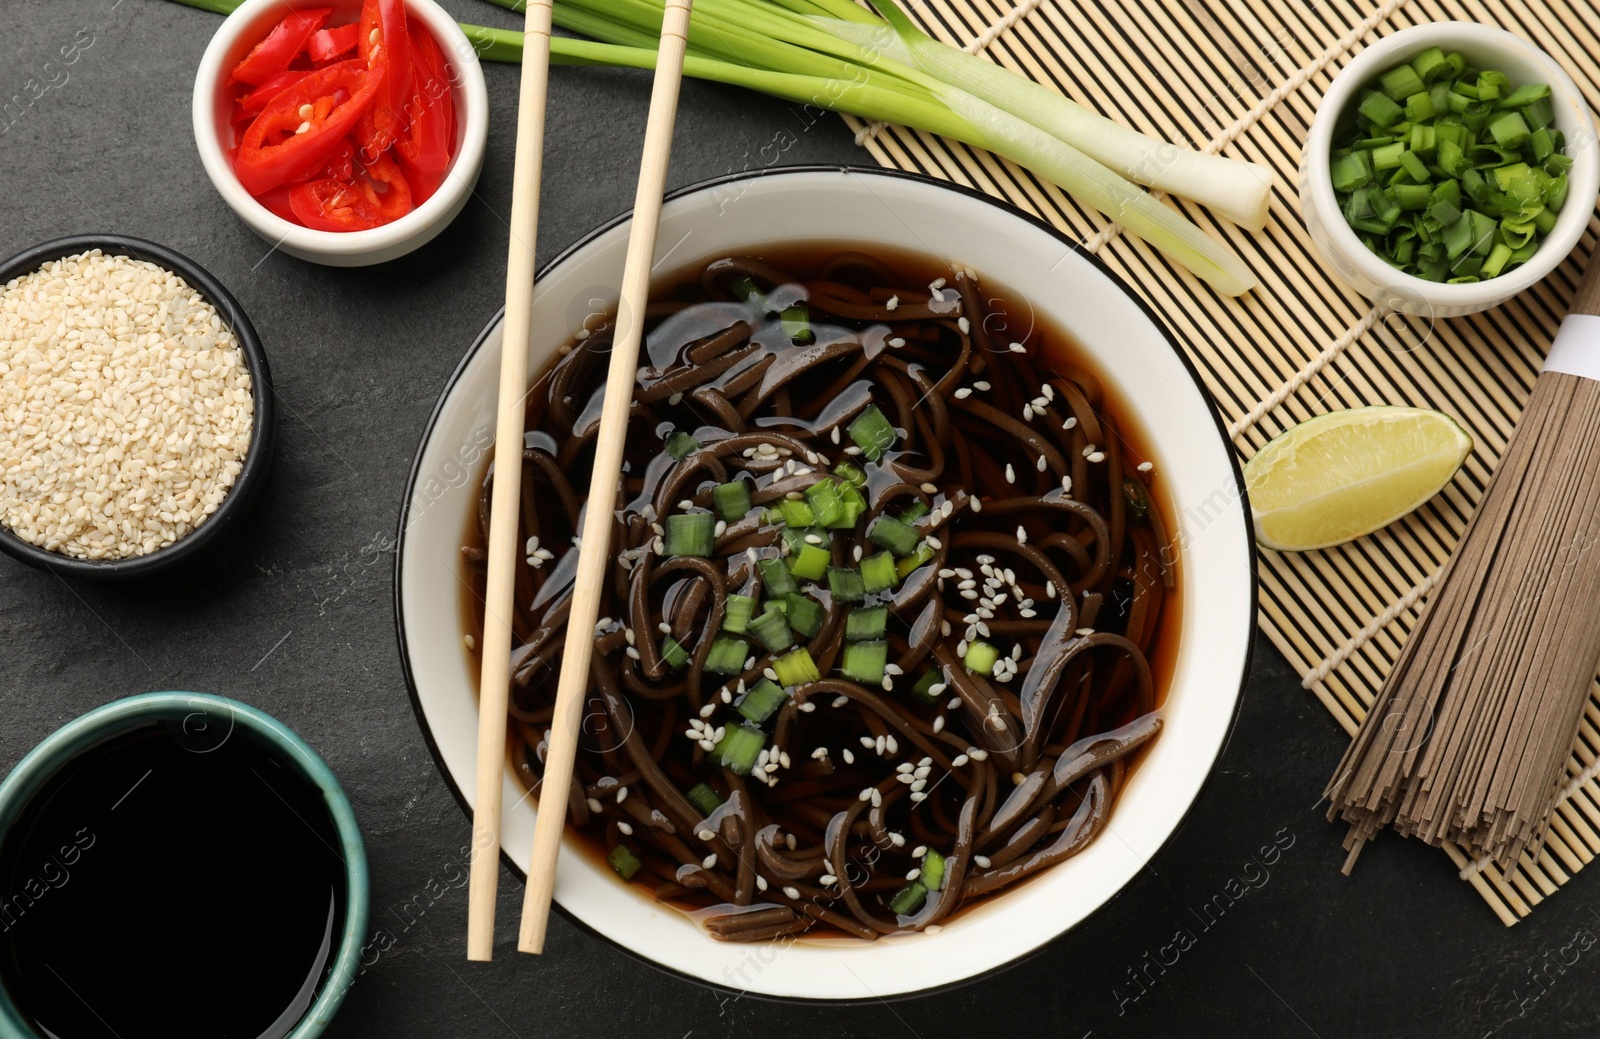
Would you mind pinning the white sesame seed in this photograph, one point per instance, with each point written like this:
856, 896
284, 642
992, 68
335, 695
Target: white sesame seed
849, 756
1042, 464
868, 743
1022, 535
955, 701
897, 840
622, 795
981, 384
977, 505
1085, 631
705, 834
710, 861
981, 861
958, 760
1027, 413
896, 342
934, 543
633, 654
1018, 348
914, 874
1097, 456
1011, 474
866, 793
894, 302
827, 880
807, 707
595, 806
833, 434
918, 795
963, 393
977, 754
1145, 467
769, 674
761, 884
626, 829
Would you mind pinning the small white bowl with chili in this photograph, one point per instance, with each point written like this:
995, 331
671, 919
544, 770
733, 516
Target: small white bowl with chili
310, 135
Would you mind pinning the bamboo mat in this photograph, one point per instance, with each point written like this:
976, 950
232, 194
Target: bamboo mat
1243, 77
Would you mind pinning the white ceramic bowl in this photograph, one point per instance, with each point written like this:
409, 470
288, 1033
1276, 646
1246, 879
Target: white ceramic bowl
214, 137
866, 209
1484, 47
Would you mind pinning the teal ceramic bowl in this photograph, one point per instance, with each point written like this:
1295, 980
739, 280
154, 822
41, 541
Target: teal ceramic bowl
208, 716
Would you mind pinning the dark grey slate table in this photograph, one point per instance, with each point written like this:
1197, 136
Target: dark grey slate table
295, 616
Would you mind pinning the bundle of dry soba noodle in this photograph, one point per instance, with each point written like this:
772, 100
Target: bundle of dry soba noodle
1471, 737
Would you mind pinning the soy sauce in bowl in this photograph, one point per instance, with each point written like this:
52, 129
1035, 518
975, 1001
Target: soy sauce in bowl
175, 879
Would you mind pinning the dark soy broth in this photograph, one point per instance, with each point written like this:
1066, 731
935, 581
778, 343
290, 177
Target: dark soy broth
171, 883
815, 798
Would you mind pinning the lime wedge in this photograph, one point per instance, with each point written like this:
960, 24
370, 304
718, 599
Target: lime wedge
1344, 474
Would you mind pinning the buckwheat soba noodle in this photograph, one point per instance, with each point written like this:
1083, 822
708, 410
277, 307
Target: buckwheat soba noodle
877, 642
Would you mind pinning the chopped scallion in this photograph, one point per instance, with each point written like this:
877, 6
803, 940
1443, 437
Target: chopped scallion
732, 500
981, 658
864, 662
932, 876
703, 798
872, 433
805, 614
775, 577
681, 445
796, 323
845, 584
739, 748
727, 655
908, 899
895, 535
796, 668
866, 623
878, 573
736, 615
920, 558
772, 629
761, 701
624, 861
810, 562
690, 534
673, 654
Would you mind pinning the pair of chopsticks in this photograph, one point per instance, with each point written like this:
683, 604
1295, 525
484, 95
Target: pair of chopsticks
503, 515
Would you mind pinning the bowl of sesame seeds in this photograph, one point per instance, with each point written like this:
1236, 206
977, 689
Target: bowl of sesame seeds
136, 416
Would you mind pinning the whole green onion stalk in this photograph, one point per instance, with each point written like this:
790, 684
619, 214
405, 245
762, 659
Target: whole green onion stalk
838, 56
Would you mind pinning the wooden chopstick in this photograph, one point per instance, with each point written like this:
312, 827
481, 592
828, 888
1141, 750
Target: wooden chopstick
594, 548
495, 681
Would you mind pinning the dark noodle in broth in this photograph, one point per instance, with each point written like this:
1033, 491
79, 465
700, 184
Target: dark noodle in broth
878, 638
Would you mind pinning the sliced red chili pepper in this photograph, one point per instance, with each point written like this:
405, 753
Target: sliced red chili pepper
429, 132
277, 200
283, 141
392, 193
380, 196
257, 99
385, 44
424, 185
332, 44
333, 205
273, 54
340, 165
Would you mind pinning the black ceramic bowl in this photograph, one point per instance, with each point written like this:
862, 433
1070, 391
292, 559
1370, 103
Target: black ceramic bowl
262, 433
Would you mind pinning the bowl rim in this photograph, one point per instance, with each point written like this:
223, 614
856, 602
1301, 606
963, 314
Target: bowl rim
723, 181
263, 429
89, 729
470, 88
1316, 181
